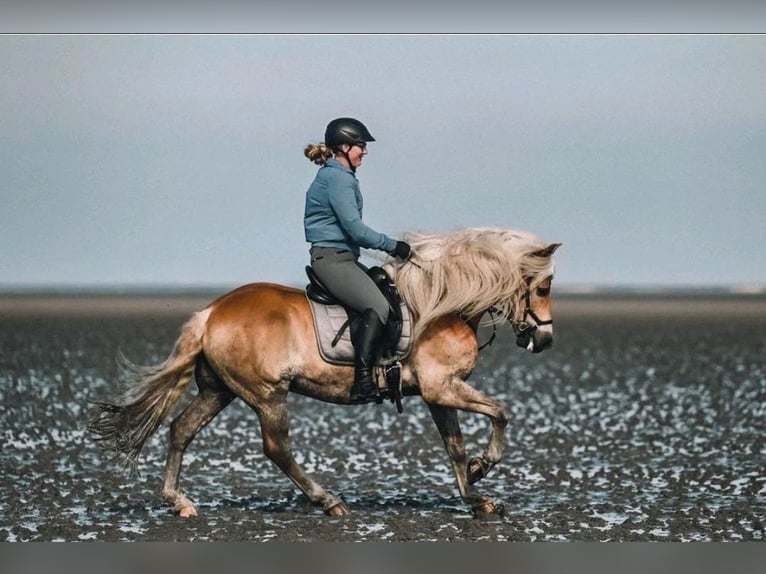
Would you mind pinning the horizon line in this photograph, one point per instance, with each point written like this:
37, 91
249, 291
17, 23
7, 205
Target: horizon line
220, 288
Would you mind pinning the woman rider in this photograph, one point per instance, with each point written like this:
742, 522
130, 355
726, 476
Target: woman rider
333, 225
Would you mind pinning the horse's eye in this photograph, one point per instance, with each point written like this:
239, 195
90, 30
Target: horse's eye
543, 291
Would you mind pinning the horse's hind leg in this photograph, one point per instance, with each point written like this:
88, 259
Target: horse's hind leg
273, 416
449, 428
212, 397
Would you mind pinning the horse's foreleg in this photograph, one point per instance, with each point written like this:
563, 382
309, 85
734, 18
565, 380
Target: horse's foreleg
457, 394
273, 417
210, 400
449, 428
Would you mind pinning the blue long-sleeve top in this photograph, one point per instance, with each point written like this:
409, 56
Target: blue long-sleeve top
333, 213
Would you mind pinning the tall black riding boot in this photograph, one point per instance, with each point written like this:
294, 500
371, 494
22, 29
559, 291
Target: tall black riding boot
366, 341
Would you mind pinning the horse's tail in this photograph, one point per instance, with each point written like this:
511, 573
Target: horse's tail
124, 427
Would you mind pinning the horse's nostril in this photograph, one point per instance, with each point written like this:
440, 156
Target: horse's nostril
523, 340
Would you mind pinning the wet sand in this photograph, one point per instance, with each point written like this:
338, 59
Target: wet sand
646, 421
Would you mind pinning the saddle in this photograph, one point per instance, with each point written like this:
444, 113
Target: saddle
334, 323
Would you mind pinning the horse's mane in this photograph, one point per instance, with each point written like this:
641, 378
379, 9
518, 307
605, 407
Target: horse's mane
467, 272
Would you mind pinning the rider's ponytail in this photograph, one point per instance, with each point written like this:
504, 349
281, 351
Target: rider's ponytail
318, 153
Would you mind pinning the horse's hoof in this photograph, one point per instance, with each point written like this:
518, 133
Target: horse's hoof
488, 509
478, 468
187, 512
337, 509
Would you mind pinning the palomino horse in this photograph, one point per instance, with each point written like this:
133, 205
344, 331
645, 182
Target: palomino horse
258, 343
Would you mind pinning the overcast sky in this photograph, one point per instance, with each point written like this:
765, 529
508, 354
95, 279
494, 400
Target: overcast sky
178, 159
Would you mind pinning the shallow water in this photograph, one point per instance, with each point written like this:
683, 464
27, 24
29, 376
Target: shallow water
634, 426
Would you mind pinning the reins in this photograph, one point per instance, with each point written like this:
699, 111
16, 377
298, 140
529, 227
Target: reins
494, 330
415, 264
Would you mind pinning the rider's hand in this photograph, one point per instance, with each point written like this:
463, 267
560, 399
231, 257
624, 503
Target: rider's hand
402, 250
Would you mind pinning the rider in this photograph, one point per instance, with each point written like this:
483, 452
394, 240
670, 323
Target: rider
333, 225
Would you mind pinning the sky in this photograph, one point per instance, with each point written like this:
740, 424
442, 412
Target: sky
176, 160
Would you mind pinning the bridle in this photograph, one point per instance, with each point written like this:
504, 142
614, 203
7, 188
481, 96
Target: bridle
522, 327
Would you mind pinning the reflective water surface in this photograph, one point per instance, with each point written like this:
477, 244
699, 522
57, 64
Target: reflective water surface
645, 421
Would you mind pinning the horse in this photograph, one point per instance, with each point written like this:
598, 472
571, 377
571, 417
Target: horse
257, 343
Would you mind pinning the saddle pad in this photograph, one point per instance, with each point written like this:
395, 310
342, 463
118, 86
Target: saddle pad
328, 319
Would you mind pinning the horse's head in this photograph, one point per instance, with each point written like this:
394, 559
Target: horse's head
533, 324
472, 271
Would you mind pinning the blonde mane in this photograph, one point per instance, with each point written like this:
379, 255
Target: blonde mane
467, 272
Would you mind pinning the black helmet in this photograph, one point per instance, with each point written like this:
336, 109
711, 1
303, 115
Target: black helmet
346, 131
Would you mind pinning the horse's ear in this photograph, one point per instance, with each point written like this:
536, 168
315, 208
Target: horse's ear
546, 251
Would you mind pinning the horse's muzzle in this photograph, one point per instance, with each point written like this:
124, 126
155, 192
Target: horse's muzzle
533, 339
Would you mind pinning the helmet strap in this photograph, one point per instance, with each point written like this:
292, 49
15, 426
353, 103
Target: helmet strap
348, 159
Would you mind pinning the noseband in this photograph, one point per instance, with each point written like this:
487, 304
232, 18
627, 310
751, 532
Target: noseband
524, 327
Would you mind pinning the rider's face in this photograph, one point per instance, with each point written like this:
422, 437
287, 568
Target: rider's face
356, 153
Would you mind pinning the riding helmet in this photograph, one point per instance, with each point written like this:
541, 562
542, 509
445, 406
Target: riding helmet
346, 131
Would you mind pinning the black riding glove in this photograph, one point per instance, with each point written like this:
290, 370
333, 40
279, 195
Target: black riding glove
402, 250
